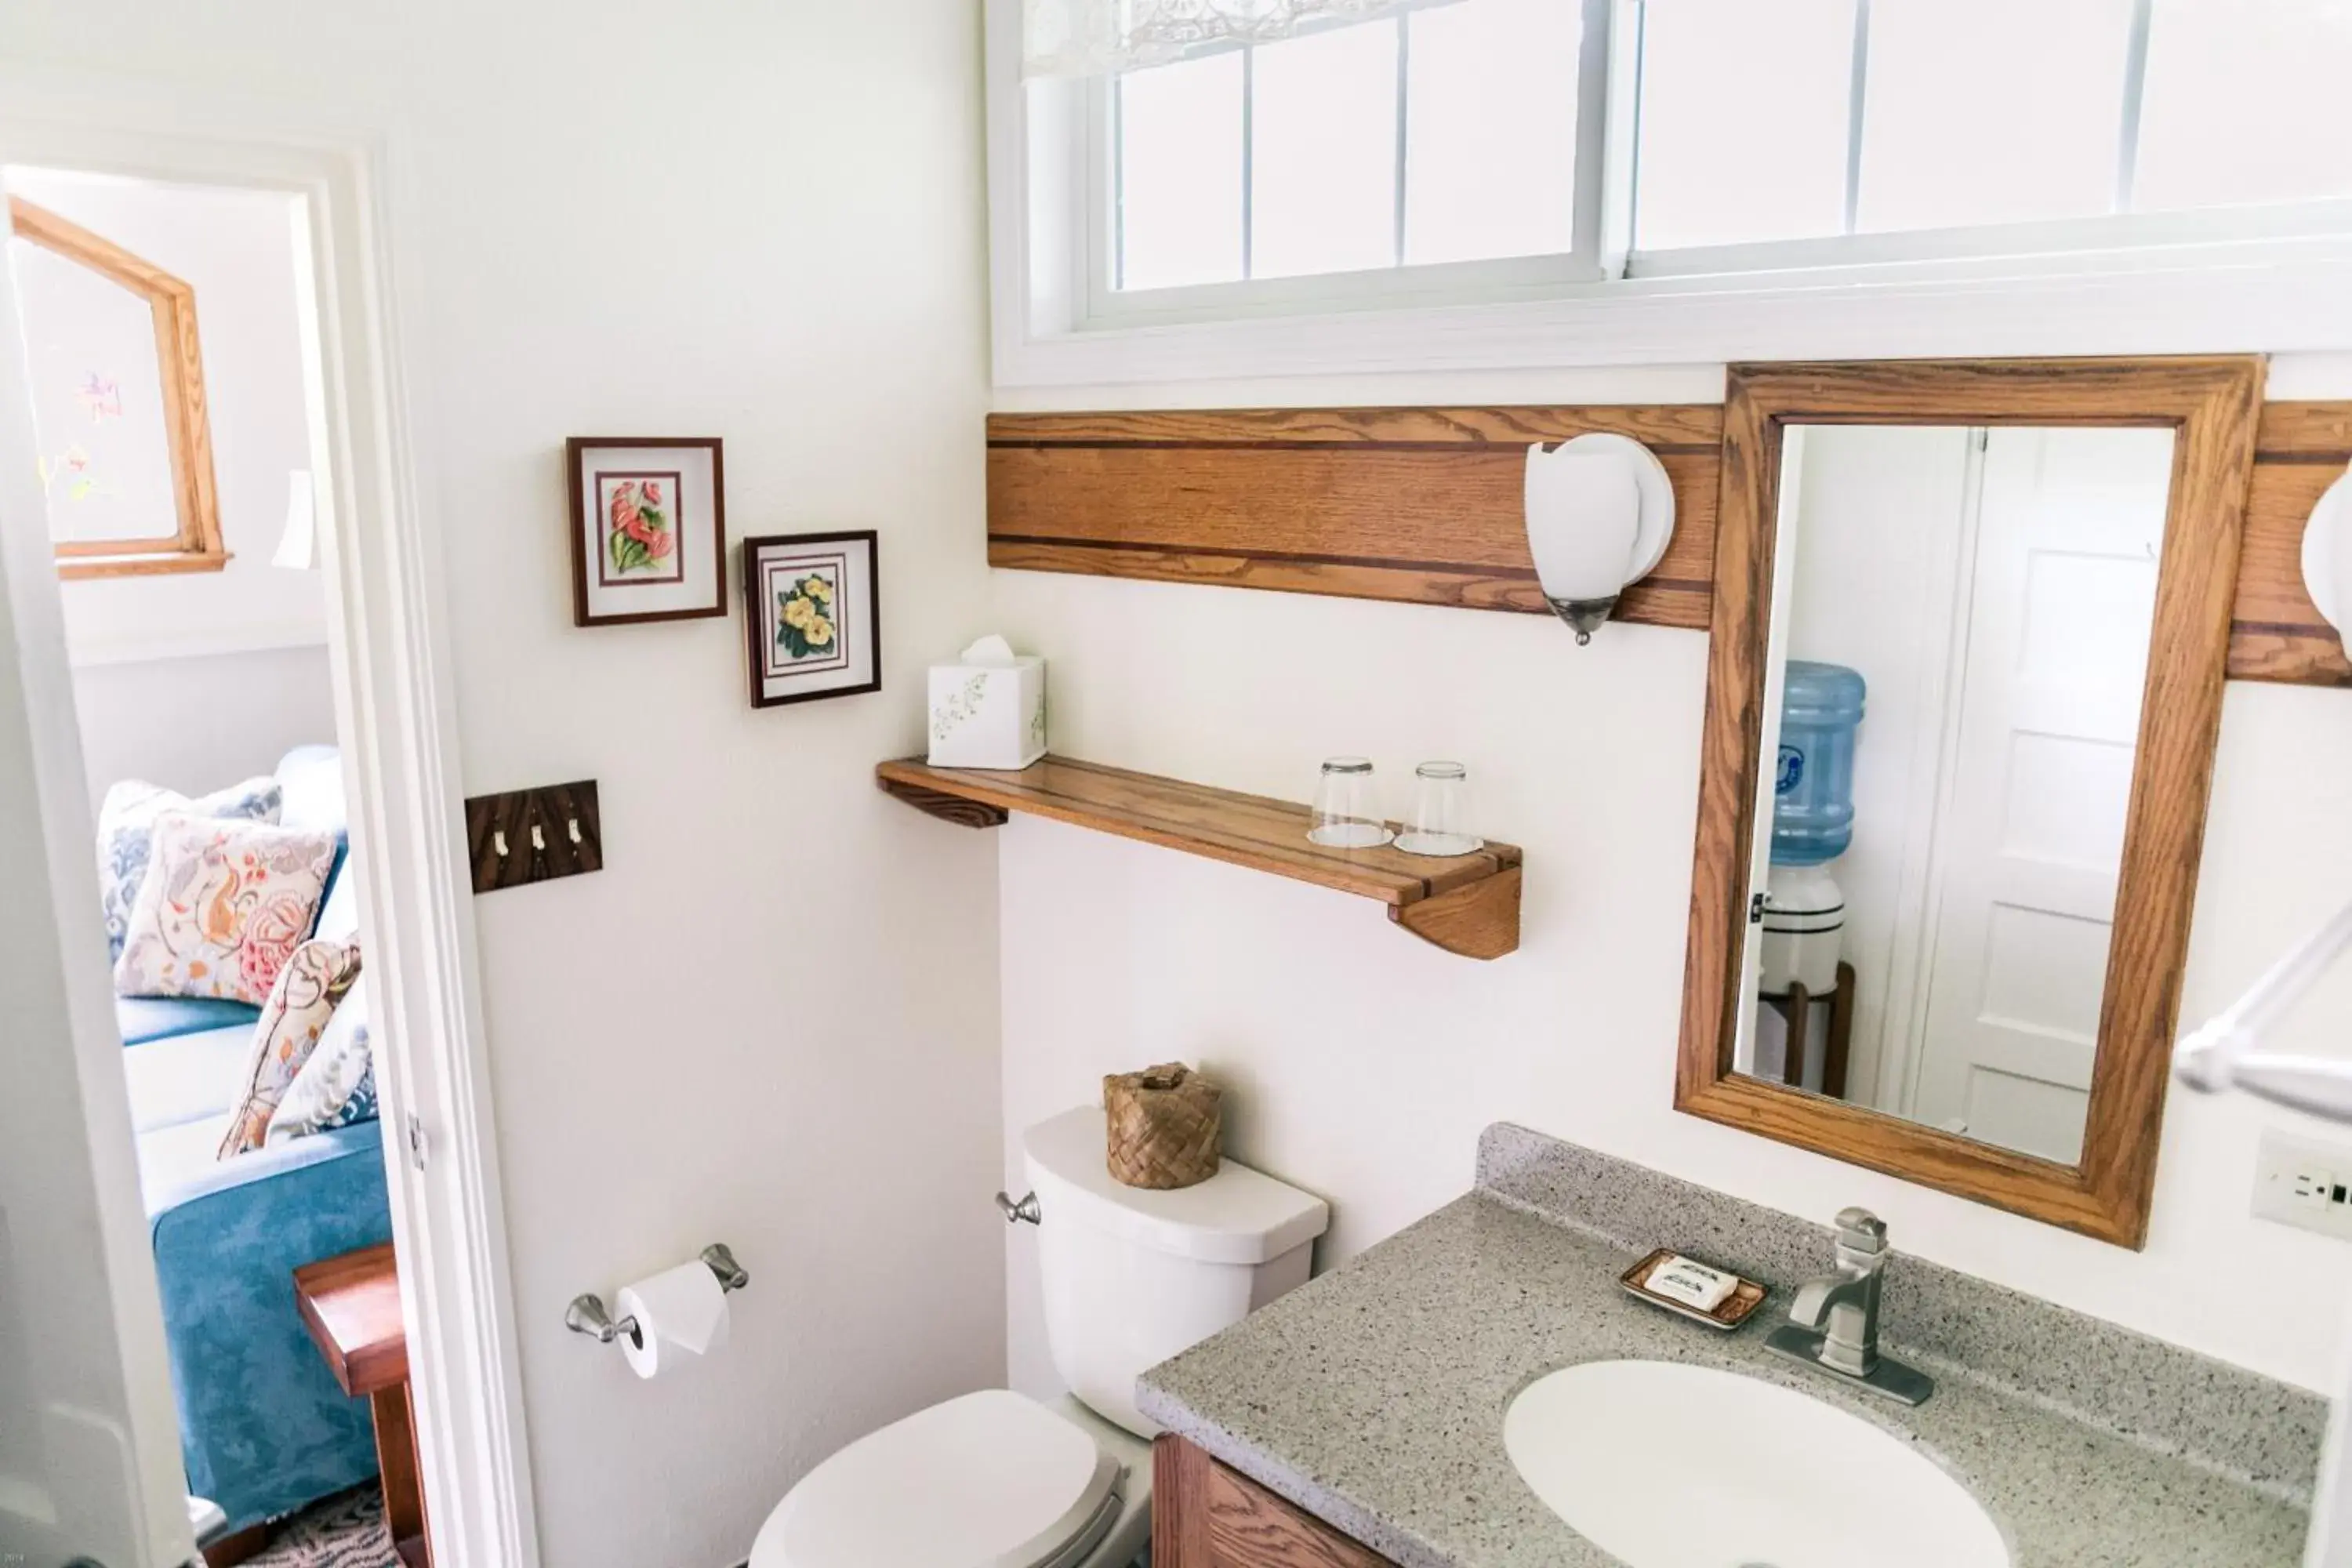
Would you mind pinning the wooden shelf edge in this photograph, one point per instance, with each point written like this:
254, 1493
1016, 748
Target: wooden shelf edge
1467, 905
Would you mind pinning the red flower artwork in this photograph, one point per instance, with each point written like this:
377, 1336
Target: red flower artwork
642, 537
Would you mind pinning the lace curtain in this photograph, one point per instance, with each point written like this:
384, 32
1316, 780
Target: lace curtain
1096, 37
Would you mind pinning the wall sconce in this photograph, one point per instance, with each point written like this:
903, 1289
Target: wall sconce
2327, 555
1600, 512
298, 546
2227, 1051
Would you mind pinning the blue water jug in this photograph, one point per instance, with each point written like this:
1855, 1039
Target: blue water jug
1812, 779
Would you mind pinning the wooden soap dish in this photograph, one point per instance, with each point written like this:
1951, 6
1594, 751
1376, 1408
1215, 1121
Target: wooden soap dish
1736, 1310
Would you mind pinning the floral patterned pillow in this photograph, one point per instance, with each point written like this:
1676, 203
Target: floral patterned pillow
126, 825
337, 1086
309, 984
224, 905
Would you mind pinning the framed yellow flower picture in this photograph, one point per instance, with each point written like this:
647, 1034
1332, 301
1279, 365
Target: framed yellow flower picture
813, 621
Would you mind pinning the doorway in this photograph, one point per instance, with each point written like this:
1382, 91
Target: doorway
227, 664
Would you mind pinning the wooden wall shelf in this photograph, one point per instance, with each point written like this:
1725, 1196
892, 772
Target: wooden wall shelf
1467, 904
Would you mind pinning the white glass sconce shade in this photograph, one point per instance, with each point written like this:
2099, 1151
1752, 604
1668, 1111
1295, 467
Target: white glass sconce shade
1600, 513
298, 546
2327, 554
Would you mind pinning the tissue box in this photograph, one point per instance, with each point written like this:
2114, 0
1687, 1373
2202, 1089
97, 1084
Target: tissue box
988, 709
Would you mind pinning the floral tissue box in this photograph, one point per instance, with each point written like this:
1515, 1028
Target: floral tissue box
988, 709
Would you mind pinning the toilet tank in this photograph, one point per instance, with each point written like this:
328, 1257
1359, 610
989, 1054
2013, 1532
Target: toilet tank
1132, 1276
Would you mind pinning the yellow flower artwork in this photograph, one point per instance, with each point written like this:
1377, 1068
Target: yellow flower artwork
805, 623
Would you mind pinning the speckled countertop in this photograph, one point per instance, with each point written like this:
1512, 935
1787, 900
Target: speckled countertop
1374, 1397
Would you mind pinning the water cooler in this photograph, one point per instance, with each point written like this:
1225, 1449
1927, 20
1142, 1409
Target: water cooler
1812, 823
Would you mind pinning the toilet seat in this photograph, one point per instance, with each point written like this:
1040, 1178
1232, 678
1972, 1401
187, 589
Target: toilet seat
988, 1480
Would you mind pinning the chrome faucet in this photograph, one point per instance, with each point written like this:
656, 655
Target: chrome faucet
1834, 1322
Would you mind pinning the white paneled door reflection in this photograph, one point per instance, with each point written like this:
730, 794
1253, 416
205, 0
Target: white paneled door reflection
2043, 724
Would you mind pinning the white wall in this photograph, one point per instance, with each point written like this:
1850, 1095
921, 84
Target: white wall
772, 1019
1364, 1063
1879, 518
199, 723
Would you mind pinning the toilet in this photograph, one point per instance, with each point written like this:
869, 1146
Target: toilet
996, 1479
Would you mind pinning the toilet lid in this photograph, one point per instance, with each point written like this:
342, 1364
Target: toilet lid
989, 1481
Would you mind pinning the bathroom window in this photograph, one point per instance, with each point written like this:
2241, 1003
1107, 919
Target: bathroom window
1932, 130
1441, 135
1593, 153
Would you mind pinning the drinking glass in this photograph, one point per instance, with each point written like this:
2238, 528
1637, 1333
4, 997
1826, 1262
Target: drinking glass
1345, 817
1441, 812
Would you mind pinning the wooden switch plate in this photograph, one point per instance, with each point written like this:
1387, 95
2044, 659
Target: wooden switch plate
533, 835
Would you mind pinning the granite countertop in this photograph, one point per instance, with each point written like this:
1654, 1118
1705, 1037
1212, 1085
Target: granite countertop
1374, 1397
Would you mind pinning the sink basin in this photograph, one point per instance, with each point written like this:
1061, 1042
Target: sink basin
1667, 1465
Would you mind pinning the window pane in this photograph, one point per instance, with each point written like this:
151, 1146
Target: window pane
98, 400
2245, 103
1490, 129
1179, 152
1324, 195
1991, 112
1743, 129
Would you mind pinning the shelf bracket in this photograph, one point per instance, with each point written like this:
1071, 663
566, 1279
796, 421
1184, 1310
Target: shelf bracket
961, 810
1479, 919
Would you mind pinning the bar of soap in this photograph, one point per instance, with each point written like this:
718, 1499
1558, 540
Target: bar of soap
1693, 1284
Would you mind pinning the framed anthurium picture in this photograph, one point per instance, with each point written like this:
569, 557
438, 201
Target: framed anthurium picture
648, 528
814, 616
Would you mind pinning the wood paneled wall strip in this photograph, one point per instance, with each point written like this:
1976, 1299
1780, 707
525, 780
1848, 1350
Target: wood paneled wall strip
1417, 504
2275, 631
1422, 505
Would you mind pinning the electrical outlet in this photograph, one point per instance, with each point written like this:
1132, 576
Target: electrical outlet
2307, 1185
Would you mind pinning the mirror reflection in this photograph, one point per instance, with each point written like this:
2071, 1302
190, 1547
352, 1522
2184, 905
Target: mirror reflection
1960, 640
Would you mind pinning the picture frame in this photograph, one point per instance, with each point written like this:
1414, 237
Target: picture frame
649, 527
813, 616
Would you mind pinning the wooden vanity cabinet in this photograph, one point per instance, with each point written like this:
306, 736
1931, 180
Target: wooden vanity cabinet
1206, 1516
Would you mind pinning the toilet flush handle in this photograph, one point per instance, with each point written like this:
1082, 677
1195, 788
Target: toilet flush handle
1027, 1209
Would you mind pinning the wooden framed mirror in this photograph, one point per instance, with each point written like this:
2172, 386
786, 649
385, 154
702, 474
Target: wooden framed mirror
1990, 602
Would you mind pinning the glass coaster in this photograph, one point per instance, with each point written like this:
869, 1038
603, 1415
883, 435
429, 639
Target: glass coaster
1349, 835
1439, 844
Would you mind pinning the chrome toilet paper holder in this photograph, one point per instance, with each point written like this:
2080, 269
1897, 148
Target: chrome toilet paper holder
588, 1315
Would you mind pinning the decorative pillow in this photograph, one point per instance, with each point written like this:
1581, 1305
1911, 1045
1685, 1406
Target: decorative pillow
337, 1086
223, 905
309, 984
126, 824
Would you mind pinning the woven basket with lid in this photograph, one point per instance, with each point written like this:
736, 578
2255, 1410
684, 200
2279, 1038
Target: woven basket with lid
1164, 1126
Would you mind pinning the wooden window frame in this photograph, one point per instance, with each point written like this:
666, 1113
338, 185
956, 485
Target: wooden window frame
2213, 406
180, 367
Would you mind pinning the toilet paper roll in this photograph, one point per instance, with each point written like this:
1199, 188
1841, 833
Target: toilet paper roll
680, 1311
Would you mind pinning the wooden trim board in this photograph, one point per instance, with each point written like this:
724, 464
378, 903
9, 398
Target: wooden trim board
2275, 631
1423, 506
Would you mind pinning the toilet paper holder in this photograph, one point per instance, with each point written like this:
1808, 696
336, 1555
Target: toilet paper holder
588, 1315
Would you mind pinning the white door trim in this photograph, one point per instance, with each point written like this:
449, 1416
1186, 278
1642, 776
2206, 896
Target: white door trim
393, 691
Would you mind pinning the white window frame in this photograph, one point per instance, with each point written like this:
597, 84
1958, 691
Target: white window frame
1092, 204
2271, 279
